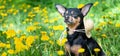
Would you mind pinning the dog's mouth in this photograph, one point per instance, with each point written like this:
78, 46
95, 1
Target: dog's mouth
68, 22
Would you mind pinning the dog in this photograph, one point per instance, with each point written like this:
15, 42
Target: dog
76, 33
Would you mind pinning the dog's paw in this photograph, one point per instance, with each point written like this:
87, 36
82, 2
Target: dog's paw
89, 25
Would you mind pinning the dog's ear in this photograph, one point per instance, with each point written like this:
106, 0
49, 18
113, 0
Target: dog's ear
85, 9
61, 9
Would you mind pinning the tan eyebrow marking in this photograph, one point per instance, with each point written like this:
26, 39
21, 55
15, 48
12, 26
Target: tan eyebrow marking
66, 11
72, 12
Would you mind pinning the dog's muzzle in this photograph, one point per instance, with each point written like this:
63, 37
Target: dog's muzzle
68, 21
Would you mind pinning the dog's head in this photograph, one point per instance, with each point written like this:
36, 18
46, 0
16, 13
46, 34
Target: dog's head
73, 15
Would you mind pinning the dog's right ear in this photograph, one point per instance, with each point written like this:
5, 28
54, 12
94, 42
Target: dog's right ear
61, 9
85, 9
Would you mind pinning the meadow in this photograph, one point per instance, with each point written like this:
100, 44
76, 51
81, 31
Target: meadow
34, 27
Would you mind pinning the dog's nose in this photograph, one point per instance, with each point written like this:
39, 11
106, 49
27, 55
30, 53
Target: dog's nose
66, 18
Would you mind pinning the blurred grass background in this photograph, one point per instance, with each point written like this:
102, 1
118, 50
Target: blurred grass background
33, 27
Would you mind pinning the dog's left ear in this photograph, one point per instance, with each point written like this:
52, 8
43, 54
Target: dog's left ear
85, 9
61, 9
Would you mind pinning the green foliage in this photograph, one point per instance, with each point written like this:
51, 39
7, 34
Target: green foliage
25, 19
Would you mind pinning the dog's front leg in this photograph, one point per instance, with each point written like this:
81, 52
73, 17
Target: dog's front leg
68, 50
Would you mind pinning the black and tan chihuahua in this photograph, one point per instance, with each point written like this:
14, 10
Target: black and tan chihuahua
73, 17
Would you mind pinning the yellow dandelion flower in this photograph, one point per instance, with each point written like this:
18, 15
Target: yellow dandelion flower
64, 40
19, 46
110, 22
36, 23
8, 45
81, 50
104, 35
2, 7
105, 16
59, 27
55, 19
4, 14
44, 37
27, 19
4, 54
51, 42
36, 9
51, 34
96, 3
31, 14
28, 6
25, 10
96, 49
43, 32
55, 28
45, 10
23, 37
15, 12
11, 51
117, 25
2, 45
10, 33
46, 21
52, 21
102, 23
4, 2
60, 52
10, 10
31, 28
80, 5
30, 40
24, 22
61, 42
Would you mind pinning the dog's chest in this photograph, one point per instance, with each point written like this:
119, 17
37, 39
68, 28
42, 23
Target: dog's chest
70, 32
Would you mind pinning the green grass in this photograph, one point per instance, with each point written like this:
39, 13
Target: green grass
105, 10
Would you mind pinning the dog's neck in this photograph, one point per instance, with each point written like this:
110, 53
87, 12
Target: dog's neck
76, 26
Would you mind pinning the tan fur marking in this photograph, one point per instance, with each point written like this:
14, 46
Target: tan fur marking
67, 12
75, 49
72, 12
73, 26
67, 47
